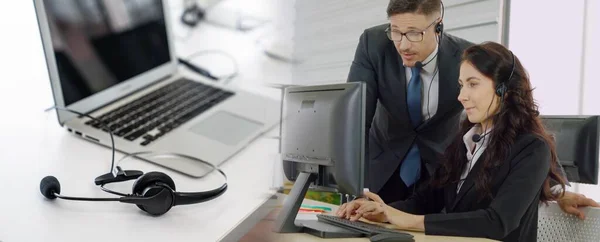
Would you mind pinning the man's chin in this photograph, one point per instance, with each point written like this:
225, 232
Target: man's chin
408, 63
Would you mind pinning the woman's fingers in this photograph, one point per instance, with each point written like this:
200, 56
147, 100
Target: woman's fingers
366, 208
341, 211
351, 208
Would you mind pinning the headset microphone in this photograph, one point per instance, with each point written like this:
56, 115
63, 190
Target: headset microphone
419, 64
478, 137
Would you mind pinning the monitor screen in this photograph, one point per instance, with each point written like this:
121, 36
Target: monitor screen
98, 44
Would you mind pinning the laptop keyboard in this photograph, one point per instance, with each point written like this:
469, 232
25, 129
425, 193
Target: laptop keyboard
155, 114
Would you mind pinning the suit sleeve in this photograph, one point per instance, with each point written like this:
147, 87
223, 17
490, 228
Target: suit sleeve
425, 200
520, 188
362, 70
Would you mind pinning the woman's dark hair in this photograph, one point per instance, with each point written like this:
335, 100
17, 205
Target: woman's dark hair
519, 114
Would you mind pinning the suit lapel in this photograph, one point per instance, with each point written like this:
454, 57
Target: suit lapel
469, 182
450, 196
448, 65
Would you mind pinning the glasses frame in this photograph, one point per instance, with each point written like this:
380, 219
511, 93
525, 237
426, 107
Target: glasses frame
402, 35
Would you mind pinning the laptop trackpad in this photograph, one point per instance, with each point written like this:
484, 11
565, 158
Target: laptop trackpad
226, 128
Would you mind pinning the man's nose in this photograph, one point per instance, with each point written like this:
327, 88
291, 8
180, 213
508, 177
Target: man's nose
404, 44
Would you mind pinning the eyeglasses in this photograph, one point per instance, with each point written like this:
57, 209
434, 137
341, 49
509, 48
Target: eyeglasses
412, 36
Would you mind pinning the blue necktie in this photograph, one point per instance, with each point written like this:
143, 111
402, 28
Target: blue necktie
411, 166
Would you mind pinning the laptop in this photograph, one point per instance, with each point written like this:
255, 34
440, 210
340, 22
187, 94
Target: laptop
115, 61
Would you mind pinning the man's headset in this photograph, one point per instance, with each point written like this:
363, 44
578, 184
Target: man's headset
439, 30
439, 27
153, 192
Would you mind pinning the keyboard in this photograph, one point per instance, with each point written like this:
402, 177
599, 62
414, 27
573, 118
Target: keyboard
157, 113
358, 226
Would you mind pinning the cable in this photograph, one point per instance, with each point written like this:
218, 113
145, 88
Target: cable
113, 192
225, 79
429, 90
112, 166
135, 154
166, 153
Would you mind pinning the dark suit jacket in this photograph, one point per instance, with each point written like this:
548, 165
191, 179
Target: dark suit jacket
390, 133
512, 213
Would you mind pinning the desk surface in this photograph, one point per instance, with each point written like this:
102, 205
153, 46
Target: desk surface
266, 225
32, 145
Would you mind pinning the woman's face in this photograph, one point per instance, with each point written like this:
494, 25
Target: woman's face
477, 94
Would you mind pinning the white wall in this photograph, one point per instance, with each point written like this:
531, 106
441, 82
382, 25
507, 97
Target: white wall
550, 48
560, 47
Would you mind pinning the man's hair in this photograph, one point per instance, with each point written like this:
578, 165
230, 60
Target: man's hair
425, 7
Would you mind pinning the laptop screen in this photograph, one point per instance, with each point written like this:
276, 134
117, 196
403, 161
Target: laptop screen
98, 44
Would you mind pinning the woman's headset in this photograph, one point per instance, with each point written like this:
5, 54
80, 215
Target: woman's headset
501, 89
502, 86
153, 192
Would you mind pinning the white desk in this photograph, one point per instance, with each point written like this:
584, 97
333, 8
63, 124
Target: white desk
32, 145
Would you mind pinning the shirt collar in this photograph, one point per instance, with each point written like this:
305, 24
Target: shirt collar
430, 67
468, 137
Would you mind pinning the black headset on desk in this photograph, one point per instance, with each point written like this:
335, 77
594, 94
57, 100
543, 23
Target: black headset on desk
153, 192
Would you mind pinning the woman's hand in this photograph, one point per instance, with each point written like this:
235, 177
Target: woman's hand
371, 210
571, 202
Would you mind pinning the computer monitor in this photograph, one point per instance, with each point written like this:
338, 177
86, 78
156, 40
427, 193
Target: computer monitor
577, 145
322, 144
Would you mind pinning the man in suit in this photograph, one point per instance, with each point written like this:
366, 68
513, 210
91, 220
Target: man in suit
411, 70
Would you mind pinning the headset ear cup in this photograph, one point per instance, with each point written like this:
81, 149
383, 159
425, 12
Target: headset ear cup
149, 179
146, 183
439, 27
501, 89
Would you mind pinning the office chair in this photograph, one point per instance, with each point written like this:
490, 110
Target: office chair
555, 225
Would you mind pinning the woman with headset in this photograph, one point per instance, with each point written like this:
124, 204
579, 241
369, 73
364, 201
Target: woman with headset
496, 171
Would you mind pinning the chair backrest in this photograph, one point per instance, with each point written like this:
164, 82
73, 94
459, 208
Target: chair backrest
556, 225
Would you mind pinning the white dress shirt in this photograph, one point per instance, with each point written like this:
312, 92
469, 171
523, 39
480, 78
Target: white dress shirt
474, 150
430, 85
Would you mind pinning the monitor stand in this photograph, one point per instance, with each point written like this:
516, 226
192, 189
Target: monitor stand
286, 220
